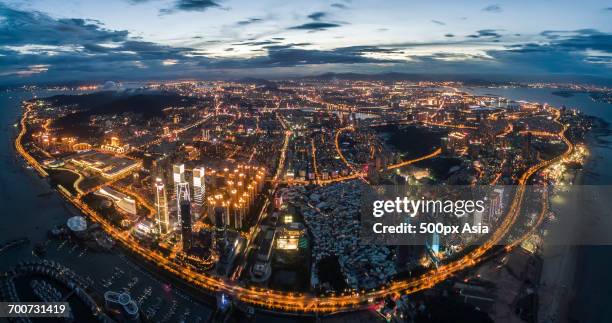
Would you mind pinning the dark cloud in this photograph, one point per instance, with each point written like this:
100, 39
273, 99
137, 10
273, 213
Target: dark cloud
286, 46
249, 21
486, 33
565, 52
527, 48
289, 57
21, 28
339, 6
36, 47
191, 5
292, 57
315, 26
607, 9
317, 16
578, 40
560, 34
257, 43
360, 50
492, 8
37, 39
438, 22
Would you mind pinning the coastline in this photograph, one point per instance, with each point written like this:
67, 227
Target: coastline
304, 304
591, 282
562, 268
559, 263
31, 206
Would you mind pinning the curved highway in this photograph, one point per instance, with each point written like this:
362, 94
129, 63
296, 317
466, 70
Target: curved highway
306, 303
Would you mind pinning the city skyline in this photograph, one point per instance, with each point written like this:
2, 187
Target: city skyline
324, 160
49, 41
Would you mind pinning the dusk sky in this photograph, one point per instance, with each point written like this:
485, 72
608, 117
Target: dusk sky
67, 40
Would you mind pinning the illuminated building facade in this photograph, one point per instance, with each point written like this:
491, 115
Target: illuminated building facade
107, 165
115, 147
161, 205
123, 202
237, 194
181, 187
199, 189
288, 236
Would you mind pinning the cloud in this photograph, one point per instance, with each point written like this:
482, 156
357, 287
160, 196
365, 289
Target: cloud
339, 6
287, 56
191, 5
579, 40
578, 51
492, 8
21, 28
256, 43
37, 47
317, 16
287, 46
438, 22
486, 33
137, 1
249, 21
26, 71
32, 40
315, 26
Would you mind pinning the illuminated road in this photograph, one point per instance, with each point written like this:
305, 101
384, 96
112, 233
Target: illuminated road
283, 153
19, 143
306, 303
178, 131
314, 161
448, 125
412, 161
393, 166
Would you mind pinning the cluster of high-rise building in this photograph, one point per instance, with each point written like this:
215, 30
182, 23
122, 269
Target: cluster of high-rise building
235, 191
225, 197
183, 198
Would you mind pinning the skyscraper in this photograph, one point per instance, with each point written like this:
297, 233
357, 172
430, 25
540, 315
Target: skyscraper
199, 189
220, 224
161, 204
186, 229
182, 193
181, 187
178, 176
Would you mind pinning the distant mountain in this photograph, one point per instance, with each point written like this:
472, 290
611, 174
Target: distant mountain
468, 79
257, 81
391, 76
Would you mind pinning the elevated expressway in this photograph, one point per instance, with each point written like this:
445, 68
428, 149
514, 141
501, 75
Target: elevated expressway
305, 303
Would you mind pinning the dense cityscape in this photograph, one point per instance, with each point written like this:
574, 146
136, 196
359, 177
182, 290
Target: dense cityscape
305, 161
251, 191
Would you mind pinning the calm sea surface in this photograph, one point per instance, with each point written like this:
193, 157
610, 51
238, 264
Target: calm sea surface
593, 281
